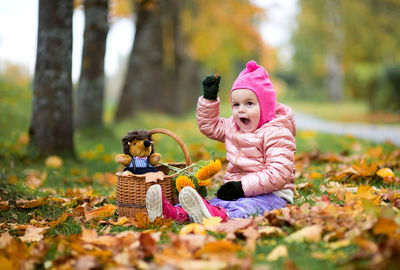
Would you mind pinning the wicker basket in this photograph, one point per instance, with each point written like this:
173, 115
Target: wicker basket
131, 189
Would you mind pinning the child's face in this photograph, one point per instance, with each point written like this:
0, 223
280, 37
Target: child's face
245, 109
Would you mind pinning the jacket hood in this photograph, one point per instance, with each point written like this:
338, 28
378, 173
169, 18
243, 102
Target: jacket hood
284, 118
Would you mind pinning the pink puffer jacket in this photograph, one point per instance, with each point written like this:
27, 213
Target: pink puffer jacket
264, 159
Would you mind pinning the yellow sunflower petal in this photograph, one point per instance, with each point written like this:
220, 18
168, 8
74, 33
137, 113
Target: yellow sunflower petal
183, 181
204, 183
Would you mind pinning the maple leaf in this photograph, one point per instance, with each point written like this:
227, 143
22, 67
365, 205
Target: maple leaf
141, 220
34, 178
33, 234
233, 225
364, 169
102, 212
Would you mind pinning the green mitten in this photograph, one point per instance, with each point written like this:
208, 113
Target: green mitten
211, 87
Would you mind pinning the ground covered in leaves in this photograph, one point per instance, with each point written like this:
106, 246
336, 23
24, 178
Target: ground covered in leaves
59, 213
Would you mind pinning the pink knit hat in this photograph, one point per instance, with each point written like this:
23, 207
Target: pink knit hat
256, 79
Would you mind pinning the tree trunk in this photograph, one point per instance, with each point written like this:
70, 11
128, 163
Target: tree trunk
92, 80
334, 79
183, 82
51, 129
144, 83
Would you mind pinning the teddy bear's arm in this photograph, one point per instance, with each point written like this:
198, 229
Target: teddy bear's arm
155, 158
123, 159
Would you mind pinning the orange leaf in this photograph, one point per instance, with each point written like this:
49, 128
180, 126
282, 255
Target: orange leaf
385, 226
193, 228
221, 249
141, 220
387, 175
60, 220
21, 203
102, 212
4, 206
364, 169
119, 222
148, 244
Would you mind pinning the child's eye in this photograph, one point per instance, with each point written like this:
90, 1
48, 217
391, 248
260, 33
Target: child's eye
250, 103
235, 104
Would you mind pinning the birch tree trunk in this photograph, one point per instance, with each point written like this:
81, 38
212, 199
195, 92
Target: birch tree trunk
90, 97
51, 129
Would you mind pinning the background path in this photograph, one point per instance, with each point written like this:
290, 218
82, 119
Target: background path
376, 133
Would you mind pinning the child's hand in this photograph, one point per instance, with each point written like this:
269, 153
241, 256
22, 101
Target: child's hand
230, 191
211, 87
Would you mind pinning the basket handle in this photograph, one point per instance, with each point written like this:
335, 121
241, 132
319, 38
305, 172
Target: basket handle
177, 139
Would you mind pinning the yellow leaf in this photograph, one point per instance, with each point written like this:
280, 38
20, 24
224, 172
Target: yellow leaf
33, 234
387, 175
60, 220
21, 203
339, 244
53, 162
105, 211
221, 249
278, 252
119, 222
309, 234
271, 231
193, 228
210, 223
316, 175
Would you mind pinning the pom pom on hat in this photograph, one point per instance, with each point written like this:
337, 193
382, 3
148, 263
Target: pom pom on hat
256, 79
251, 66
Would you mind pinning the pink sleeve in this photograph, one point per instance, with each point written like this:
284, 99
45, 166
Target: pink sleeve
208, 120
280, 148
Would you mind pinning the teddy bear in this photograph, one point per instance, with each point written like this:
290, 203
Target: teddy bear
139, 156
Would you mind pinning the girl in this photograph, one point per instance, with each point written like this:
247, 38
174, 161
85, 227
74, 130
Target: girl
260, 144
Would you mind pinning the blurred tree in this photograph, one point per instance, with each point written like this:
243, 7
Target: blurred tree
184, 37
352, 41
89, 107
145, 78
51, 128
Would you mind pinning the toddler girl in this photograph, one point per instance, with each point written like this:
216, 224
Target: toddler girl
260, 144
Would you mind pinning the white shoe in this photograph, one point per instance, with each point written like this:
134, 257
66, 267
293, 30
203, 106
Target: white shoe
154, 202
193, 204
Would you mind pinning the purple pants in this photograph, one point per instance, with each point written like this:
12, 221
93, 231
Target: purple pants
252, 206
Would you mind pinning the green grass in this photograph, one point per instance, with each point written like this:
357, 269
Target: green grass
96, 150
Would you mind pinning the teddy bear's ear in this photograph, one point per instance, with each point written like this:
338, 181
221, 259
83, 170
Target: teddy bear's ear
129, 143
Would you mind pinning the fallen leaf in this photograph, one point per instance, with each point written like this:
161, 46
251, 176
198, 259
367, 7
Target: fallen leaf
387, 175
21, 203
278, 252
148, 244
33, 234
220, 250
120, 221
53, 162
271, 231
34, 178
4, 206
5, 239
339, 244
58, 221
307, 234
211, 223
102, 212
233, 225
385, 226
193, 228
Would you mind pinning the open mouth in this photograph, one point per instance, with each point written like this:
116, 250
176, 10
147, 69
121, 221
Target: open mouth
245, 120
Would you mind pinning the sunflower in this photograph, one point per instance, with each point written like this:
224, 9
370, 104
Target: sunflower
204, 183
183, 181
209, 170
